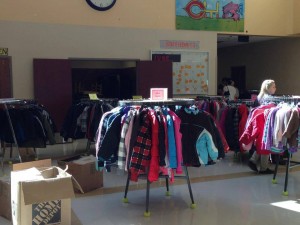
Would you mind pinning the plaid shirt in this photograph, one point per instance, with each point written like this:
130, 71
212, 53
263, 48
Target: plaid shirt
122, 153
141, 151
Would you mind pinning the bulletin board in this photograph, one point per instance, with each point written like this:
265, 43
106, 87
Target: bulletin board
190, 70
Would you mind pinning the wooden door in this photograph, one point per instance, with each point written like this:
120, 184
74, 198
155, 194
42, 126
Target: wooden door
154, 74
5, 77
53, 87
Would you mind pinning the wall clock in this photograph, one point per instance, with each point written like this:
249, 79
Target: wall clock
101, 5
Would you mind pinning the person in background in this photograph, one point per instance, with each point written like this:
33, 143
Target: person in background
237, 93
230, 91
268, 88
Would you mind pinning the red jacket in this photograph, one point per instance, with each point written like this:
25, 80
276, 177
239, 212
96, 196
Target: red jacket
243, 113
254, 131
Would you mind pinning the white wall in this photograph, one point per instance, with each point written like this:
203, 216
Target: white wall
26, 41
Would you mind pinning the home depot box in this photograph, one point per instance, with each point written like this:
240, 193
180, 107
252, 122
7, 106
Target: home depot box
5, 209
41, 196
5, 186
83, 169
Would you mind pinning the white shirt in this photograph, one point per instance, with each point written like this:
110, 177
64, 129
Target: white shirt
232, 91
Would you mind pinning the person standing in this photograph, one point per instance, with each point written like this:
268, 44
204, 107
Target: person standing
260, 157
268, 88
230, 91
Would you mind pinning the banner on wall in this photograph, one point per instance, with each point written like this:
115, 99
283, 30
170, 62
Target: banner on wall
190, 74
210, 15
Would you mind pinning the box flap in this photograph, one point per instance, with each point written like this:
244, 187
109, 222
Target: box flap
41, 189
27, 165
76, 185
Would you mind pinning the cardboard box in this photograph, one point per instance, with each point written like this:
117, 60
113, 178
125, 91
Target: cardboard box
5, 208
5, 186
83, 169
41, 195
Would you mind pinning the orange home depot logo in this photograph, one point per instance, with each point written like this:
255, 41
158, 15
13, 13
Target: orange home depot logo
46, 213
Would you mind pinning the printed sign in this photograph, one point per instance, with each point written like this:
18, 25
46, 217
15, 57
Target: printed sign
159, 94
93, 96
173, 44
166, 57
3, 51
46, 213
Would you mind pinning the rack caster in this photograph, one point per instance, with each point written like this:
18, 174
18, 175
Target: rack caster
125, 200
285, 193
274, 181
168, 193
146, 214
193, 206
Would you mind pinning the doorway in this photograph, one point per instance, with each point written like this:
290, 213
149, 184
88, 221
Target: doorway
238, 74
105, 78
5, 77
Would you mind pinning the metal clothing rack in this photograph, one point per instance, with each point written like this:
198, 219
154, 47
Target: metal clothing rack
289, 163
112, 101
238, 102
168, 102
103, 100
209, 97
5, 103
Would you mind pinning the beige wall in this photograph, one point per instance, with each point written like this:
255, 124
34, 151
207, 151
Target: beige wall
267, 17
296, 16
154, 14
277, 59
26, 41
70, 28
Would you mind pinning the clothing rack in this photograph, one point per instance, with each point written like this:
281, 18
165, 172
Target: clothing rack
7, 103
238, 102
148, 102
209, 97
277, 99
168, 102
112, 101
289, 163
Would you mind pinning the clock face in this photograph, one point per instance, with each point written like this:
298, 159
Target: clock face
101, 5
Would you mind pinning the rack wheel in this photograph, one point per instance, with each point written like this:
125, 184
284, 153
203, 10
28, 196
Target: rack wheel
146, 214
36, 159
10, 162
193, 206
168, 193
274, 181
125, 200
285, 193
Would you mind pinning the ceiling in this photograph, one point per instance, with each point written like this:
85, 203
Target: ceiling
225, 40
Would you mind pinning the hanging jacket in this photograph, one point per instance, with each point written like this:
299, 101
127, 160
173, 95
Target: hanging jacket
253, 134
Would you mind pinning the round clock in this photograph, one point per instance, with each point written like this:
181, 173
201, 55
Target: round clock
101, 5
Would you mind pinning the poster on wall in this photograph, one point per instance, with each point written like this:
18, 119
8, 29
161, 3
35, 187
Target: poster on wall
190, 74
210, 15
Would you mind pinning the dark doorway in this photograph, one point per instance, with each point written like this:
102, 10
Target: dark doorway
5, 77
106, 83
238, 74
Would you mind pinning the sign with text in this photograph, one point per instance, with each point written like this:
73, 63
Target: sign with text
93, 96
173, 44
159, 94
3, 51
166, 57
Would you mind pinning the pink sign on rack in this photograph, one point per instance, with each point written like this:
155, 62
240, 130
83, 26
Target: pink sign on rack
159, 94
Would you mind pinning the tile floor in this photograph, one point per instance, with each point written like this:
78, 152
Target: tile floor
226, 193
